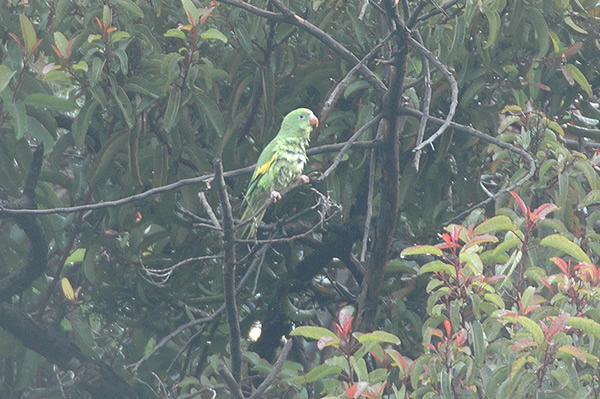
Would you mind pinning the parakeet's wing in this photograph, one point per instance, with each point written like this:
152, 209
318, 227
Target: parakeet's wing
261, 175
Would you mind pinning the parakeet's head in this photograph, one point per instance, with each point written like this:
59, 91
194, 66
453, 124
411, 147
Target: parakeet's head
301, 120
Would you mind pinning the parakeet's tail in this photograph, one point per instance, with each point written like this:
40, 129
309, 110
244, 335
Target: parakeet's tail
248, 232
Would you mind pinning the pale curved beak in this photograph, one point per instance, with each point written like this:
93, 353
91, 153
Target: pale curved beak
314, 121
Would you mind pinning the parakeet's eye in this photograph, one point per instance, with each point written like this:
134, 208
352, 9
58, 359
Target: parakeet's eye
302, 116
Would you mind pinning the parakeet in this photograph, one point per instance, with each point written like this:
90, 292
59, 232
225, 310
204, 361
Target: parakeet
280, 164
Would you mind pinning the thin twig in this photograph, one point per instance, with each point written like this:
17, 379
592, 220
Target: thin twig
453, 90
489, 139
255, 262
346, 147
341, 86
172, 186
426, 103
208, 209
437, 10
229, 275
369, 213
274, 371
165, 274
329, 41
231, 382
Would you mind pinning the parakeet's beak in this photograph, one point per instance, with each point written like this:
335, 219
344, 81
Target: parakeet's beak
314, 122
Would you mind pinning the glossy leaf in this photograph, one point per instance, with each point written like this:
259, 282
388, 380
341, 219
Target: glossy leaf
565, 245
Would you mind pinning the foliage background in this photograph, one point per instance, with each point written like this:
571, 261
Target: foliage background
128, 298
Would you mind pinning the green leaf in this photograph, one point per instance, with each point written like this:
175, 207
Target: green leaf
76, 257
39, 100
191, 11
131, 8
210, 111
82, 122
422, 250
142, 86
580, 79
96, 71
517, 365
590, 198
478, 341
61, 43
170, 118
175, 33
573, 351
124, 104
37, 130
312, 332
496, 223
569, 21
213, 33
565, 245
119, 35
494, 27
532, 327
379, 337
316, 374
536, 18
28, 33
495, 299
5, 75
587, 325
439, 267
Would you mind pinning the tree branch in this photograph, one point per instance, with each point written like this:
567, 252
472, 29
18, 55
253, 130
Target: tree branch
229, 275
93, 376
27, 210
489, 139
37, 259
453, 90
288, 16
274, 371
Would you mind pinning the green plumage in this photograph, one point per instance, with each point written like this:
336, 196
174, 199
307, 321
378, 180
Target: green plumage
280, 164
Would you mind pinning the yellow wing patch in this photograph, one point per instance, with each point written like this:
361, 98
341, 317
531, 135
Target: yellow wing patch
263, 169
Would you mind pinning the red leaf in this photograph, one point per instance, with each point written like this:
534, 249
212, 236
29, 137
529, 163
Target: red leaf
522, 205
205, 16
448, 327
19, 43
542, 86
36, 45
543, 210
69, 47
572, 49
558, 324
57, 51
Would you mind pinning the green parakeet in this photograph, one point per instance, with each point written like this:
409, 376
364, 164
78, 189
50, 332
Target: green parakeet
280, 164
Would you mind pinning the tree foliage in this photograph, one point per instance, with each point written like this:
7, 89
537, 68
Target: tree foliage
128, 130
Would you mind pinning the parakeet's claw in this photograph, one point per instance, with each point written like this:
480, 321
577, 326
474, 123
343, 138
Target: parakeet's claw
275, 196
305, 179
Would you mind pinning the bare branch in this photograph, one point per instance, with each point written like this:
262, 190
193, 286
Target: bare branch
208, 209
369, 213
347, 55
347, 146
258, 256
341, 86
453, 90
37, 259
164, 274
274, 371
9, 210
489, 139
229, 275
426, 103
231, 383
